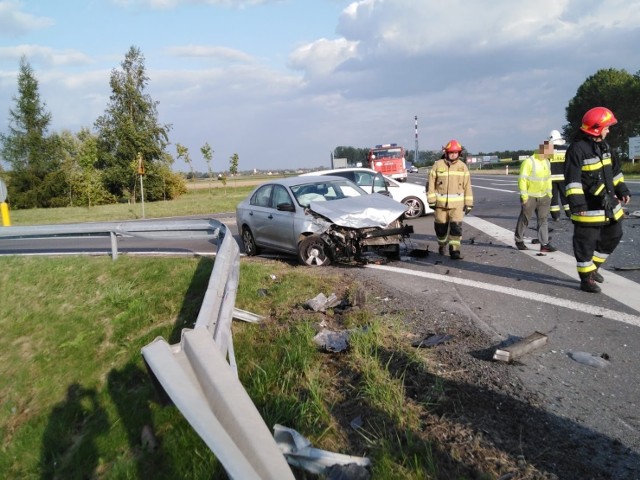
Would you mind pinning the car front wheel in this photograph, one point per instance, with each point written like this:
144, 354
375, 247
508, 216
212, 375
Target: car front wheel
415, 208
249, 242
312, 251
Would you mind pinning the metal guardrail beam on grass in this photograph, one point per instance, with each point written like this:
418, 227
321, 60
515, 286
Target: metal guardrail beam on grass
190, 228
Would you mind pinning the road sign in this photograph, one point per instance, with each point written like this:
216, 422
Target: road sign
3, 191
634, 148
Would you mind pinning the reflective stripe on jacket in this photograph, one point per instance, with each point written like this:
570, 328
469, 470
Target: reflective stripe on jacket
557, 163
449, 185
593, 181
535, 178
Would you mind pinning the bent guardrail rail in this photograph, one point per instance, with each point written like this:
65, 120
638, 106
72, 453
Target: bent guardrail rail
195, 373
206, 389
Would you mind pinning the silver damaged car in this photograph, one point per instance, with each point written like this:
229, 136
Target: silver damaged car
321, 219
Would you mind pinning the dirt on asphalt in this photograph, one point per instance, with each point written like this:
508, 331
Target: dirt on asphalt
483, 423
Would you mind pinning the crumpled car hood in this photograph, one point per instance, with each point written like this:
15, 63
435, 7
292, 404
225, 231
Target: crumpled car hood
363, 211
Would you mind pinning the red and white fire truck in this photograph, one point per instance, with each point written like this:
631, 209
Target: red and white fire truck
389, 160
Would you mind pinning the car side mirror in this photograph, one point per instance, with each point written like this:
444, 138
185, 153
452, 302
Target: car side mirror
286, 207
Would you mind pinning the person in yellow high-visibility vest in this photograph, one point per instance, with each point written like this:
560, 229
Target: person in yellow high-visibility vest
534, 184
449, 193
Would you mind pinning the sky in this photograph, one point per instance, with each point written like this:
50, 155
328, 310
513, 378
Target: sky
282, 83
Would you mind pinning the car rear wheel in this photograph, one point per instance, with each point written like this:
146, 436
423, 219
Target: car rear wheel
250, 247
312, 251
415, 208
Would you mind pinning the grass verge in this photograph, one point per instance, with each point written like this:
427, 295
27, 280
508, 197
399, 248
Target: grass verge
77, 401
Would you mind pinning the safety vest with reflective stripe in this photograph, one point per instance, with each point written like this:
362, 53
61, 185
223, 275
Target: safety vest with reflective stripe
535, 178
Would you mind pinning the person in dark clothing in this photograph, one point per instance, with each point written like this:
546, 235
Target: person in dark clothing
596, 191
558, 198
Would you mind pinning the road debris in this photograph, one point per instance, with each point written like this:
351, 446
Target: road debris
586, 358
332, 341
298, 451
321, 302
431, 340
526, 345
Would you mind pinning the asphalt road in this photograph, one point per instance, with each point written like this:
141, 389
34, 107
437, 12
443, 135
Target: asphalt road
509, 294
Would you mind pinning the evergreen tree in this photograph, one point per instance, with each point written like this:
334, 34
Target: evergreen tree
128, 127
32, 155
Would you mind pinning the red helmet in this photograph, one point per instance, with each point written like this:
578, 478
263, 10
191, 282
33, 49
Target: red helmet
452, 146
596, 119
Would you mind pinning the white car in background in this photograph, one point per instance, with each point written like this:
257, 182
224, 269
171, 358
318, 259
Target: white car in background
413, 196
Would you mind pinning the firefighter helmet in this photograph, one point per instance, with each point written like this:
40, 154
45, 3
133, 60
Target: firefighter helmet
556, 138
597, 119
452, 146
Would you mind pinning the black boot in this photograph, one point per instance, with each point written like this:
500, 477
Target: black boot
597, 276
441, 250
455, 254
588, 284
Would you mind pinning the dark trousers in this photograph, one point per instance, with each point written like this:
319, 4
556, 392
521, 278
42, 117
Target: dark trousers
559, 200
593, 245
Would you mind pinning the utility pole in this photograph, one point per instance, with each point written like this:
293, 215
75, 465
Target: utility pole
415, 155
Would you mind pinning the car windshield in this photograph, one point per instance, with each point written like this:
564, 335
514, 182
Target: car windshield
325, 191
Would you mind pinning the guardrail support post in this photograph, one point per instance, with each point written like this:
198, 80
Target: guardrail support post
114, 246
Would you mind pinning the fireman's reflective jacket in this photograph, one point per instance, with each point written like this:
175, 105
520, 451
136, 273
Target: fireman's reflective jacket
557, 163
449, 185
593, 180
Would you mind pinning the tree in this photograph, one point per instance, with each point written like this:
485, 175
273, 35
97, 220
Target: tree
617, 90
129, 125
207, 153
30, 152
183, 153
233, 165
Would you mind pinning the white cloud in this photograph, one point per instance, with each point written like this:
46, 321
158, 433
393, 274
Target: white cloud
14, 22
44, 55
209, 51
496, 74
171, 4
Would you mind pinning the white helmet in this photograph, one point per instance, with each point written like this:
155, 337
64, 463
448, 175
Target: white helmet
556, 138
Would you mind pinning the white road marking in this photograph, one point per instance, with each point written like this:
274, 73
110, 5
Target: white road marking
615, 286
547, 299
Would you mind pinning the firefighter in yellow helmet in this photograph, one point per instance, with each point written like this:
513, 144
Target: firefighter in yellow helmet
596, 192
449, 194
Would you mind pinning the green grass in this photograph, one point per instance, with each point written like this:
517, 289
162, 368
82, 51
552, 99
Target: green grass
75, 393
195, 202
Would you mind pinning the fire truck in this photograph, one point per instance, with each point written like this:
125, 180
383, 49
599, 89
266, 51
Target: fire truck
389, 160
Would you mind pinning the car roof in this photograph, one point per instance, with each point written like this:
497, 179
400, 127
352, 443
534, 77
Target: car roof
348, 169
301, 179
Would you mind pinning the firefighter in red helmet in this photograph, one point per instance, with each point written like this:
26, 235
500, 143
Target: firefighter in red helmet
596, 191
449, 194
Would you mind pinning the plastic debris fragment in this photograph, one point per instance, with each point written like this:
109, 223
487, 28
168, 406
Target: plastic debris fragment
587, 358
432, 340
298, 451
332, 341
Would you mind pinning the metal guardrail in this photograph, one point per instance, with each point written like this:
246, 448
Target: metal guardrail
138, 228
195, 373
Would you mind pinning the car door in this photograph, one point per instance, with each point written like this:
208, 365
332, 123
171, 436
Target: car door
277, 229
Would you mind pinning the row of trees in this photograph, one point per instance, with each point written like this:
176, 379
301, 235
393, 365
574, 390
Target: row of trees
91, 168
